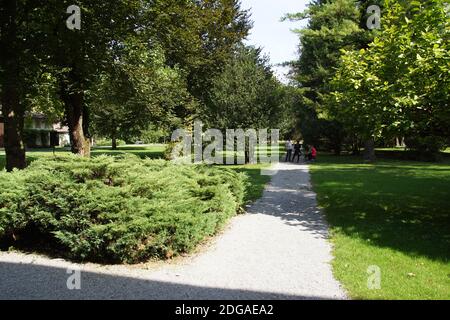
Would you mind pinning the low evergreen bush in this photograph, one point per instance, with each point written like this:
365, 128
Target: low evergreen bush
116, 209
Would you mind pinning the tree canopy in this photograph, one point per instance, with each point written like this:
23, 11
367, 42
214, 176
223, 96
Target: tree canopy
246, 95
360, 84
399, 85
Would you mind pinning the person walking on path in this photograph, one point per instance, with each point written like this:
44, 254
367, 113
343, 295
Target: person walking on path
289, 148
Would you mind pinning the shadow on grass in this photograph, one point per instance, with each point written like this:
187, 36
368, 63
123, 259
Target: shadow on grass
403, 206
39, 282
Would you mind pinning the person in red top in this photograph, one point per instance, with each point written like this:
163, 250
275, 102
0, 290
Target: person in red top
312, 153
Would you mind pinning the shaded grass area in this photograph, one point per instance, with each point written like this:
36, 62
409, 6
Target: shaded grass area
392, 214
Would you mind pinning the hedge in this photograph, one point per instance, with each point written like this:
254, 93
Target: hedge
116, 209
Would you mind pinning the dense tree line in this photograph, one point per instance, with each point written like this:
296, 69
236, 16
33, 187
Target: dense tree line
358, 86
246, 95
399, 85
132, 65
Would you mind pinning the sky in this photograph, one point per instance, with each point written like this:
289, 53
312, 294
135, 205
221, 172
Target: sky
275, 37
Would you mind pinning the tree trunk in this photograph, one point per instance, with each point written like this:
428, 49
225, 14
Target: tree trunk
14, 123
114, 142
114, 135
12, 109
74, 106
369, 150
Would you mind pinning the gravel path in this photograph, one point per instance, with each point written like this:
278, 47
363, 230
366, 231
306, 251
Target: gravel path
279, 250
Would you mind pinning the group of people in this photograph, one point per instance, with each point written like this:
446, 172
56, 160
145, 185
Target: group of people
296, 151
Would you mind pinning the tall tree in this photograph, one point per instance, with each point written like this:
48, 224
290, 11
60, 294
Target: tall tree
81, 55
246, 95
399, 86
138, 89
198, 36
12, 108
21, 50
333, 25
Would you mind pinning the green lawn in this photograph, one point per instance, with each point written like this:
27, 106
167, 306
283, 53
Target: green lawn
153, 152
394, 215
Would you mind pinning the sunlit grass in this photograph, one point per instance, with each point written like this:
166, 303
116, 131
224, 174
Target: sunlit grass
151, 151
394, 215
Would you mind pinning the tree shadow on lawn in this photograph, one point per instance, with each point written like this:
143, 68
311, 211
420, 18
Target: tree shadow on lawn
20, 281
406, 210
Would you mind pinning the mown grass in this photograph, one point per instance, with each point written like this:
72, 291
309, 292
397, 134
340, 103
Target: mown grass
152, 152
392, 214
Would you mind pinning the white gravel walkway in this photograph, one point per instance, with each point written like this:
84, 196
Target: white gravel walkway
279, 250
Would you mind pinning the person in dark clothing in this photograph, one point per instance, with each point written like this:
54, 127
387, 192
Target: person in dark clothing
297, 151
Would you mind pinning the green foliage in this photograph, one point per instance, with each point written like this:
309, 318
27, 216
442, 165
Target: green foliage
399, 86
332, 26
246, 95
116, 209
154, 134
132, 62
198, 36
138, 89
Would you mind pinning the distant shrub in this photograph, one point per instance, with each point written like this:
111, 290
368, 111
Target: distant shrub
116, 209
426, 148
